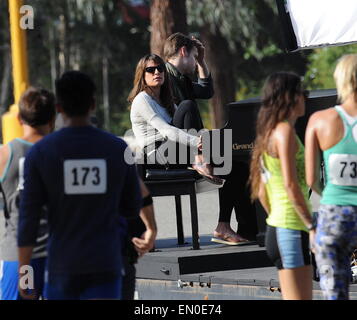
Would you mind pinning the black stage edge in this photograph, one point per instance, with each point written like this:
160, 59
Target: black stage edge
172, 263
215, 272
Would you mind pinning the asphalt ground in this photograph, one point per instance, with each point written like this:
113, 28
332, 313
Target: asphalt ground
165, 214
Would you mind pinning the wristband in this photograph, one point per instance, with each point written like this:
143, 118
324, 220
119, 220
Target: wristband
147, 201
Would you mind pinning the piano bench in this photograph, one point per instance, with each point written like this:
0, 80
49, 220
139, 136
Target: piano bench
176, 182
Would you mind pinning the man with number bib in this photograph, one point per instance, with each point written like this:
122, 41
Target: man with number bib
36, 115
84, 176
334, 132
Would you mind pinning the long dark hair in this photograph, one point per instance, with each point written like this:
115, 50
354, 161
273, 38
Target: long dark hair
140, 85
280, 95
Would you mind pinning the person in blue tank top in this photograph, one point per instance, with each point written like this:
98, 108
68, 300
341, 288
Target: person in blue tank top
36, 115
333, 132
88, 180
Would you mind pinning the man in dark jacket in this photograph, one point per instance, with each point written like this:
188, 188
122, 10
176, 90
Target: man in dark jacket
185, 58
189, 76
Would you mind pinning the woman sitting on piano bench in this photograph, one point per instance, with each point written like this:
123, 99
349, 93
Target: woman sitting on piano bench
155, 120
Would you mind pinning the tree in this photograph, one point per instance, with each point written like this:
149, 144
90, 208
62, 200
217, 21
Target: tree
5, 58
167, 17
322, 63
98, 37
106, 38
221, 63
243, 41
5, 62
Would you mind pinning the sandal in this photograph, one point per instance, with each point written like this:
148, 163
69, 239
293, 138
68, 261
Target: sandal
228, 239
205, 170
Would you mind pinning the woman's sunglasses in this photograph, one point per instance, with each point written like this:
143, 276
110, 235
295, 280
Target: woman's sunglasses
160, 68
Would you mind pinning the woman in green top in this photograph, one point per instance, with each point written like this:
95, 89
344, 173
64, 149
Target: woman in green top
333, 132
277, 177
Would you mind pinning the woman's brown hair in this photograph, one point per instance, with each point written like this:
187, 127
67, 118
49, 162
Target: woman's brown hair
140, 85
280, 95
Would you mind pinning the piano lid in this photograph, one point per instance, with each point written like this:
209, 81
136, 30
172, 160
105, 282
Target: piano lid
318, 100
241, 118
316, 97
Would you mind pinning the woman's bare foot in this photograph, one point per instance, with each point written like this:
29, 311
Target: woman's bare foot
206, 170
225, 234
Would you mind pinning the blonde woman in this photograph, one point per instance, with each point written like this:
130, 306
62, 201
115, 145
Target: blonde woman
333, 132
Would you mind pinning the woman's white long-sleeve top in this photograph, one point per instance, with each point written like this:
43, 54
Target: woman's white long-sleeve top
151, 123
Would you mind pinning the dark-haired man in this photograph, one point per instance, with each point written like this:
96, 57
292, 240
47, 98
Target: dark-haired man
186, 62
84, 176
36, 115
185, 58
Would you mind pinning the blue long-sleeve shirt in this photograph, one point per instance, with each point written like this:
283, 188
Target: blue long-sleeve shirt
82, 176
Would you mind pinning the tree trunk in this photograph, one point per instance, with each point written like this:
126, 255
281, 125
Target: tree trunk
62, 45
167, 17
53, 57
105, 76
64, 38
221, 63
5, 85
5, 80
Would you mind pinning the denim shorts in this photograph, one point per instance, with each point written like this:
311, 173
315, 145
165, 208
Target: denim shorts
287, 248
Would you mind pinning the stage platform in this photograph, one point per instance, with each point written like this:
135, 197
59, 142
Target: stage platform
215, 272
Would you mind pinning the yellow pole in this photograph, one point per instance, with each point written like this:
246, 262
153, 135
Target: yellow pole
11, 127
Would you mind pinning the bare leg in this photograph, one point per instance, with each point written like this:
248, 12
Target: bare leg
296, 284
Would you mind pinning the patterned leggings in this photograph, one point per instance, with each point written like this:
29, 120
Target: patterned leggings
336, 239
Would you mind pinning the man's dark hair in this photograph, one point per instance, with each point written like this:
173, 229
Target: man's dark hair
175, 42
37, 107
75, 93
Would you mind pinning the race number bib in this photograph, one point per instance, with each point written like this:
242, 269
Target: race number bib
85, 176
343, 169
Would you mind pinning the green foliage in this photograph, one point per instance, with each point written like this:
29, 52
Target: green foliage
84, 31
205, 113
253, 31
244, 23
322, 63
94, 28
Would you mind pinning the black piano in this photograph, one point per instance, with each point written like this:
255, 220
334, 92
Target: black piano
241, 117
